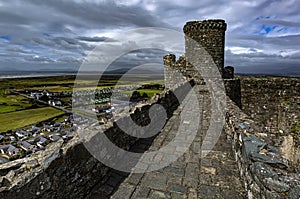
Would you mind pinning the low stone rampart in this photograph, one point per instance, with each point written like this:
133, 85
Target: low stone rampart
69, 170
263, 169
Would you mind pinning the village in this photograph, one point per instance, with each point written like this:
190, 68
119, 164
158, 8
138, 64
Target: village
25, 141
85, 96
22, 142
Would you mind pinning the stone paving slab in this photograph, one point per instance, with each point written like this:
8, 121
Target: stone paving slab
214, 176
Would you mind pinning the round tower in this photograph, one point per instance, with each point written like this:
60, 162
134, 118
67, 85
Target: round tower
210, 34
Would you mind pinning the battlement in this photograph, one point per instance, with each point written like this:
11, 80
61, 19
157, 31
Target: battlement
210, 35
169, 59
192, 26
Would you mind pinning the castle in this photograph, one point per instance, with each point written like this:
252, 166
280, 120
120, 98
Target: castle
210, 35
243, 164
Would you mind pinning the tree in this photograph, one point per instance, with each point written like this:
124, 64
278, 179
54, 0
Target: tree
44, 98
145, 95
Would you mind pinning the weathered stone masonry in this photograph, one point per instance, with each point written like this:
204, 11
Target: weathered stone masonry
262, 168
210, 35
264, 171
70, 171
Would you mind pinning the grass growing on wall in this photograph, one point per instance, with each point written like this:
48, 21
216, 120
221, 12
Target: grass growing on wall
149, 92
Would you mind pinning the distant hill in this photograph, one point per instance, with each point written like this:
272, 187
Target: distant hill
135, 71
284, 71
269, 74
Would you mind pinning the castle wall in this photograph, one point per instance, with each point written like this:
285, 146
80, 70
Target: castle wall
265, 172
70, 171
171, 78
233, 90
272, 102
210, 35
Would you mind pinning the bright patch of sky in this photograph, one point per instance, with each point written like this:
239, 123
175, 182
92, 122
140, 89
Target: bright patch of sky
241, 50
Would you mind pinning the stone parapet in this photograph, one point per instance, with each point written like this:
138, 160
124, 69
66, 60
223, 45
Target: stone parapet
263, 169
69, 170
233, 90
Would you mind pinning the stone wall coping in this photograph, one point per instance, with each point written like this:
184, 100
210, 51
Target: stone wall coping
193, 26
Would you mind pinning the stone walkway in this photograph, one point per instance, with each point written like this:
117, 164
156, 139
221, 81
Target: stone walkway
215, 176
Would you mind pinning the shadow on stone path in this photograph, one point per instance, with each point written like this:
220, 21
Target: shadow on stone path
215, 176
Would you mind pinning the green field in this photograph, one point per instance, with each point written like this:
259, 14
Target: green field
66, 83
55, 83
17, 111
18, 119
11, 103
21, 83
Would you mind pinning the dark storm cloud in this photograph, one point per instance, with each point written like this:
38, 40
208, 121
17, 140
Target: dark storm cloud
8, 17
264, 63
94, 39
279, 42
17, 49
42, 27
60, 33
56, 15
140, 57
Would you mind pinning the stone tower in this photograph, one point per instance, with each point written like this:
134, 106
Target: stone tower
174, 72
169, 62
210, 34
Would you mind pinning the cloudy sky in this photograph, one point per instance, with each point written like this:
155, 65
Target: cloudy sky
262, 36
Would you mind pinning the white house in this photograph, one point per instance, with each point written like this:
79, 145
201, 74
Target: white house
42, 142
12, 151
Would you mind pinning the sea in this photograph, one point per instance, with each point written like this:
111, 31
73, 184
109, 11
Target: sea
25, 74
